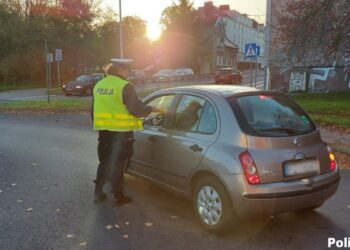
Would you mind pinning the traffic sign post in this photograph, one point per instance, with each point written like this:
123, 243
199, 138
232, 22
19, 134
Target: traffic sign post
49, 61
256, 61
46, 70
251, 72
58, 58
252, 51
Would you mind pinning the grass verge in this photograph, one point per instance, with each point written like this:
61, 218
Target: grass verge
328, 109
73, 105
5, 87
42, 106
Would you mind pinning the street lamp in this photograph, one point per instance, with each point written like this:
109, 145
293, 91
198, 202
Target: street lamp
120, 29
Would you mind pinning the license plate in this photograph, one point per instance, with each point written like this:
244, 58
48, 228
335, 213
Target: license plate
302, 167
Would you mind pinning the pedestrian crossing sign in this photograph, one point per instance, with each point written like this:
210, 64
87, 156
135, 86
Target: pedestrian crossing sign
250, 50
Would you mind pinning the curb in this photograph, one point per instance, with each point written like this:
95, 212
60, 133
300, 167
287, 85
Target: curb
341, 149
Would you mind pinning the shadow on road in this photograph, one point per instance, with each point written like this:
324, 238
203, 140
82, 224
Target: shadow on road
299, 229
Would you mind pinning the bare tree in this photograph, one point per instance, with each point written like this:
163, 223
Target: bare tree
313, 31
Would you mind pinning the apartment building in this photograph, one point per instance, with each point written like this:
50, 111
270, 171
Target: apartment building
230, 31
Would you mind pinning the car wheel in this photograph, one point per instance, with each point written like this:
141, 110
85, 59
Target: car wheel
213, 206
88, 92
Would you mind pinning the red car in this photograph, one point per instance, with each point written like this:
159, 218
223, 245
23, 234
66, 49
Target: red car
228, 76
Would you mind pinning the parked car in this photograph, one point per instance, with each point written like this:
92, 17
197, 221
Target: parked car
164, 75
137, 76
83, 85
228, 76
183, 74
235, 151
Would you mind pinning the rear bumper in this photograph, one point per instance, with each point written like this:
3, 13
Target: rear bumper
223, 80
288, 196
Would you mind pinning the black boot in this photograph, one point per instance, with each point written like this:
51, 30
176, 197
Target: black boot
100, 196
121, 199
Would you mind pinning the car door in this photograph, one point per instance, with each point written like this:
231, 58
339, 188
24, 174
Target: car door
193, 129
146, 145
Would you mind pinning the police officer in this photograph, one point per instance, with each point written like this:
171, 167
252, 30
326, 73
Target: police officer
116, 114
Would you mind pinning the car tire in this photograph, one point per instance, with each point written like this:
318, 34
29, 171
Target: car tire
209, 192
88, 92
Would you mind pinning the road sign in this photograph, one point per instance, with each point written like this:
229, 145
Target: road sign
250, 50
258, 50
58, 55
49, 57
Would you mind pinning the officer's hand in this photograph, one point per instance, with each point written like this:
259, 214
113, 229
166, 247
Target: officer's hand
155, 110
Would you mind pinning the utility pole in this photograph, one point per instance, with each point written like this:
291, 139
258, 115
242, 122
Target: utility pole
47, 71
120, 29
267, 45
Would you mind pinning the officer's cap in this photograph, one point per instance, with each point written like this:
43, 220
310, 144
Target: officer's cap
121, 62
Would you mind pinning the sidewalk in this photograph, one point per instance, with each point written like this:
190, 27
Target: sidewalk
340, 143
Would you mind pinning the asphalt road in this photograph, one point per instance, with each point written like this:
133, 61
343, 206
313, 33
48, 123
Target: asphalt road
47, 163
40, 93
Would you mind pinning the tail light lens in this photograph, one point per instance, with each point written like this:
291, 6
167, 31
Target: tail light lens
249, 168
332, 162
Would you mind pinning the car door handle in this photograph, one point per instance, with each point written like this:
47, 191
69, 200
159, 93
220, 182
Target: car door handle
152, 138
196, 148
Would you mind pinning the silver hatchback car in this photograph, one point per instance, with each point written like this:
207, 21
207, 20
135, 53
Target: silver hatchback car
235, 151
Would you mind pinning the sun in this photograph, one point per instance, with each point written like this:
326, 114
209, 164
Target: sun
153, 32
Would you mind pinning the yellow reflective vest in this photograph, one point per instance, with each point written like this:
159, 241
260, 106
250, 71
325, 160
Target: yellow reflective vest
110, 113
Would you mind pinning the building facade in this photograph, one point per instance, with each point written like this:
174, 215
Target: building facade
230, 31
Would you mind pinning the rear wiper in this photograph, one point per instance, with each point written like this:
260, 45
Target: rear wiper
288, 130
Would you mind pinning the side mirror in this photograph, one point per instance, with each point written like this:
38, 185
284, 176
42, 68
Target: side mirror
155, 120
158, 120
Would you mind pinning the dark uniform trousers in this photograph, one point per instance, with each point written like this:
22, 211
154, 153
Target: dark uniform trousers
114, 151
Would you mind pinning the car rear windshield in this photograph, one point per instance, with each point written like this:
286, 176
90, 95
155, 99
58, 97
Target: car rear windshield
225, 71
84, 78
270, 116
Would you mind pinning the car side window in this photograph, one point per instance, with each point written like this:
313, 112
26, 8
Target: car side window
162, 103
97, 78
208, 122
188, 113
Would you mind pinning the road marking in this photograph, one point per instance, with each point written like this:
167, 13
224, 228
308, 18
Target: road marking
43, 97
34, 97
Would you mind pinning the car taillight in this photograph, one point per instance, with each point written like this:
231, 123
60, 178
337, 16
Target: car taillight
249, 168
332, 162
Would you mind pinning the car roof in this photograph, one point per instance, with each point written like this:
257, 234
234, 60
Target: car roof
228, 68
223, 90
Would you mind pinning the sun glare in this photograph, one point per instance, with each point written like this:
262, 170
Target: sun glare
153, 32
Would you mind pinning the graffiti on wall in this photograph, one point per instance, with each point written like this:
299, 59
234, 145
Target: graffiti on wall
335, 77
320, 80
347, 69
297, 81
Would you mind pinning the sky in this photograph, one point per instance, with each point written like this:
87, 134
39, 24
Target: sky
150, 10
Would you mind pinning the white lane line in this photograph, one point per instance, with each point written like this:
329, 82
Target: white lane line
30, 97
39, 98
